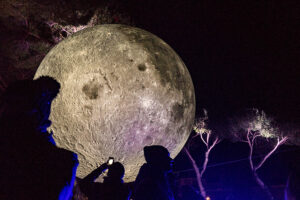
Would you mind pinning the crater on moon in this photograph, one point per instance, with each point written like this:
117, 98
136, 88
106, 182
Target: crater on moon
142, 67
91, 90
122, 88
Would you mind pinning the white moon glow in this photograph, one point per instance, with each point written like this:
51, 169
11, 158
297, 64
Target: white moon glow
122, 88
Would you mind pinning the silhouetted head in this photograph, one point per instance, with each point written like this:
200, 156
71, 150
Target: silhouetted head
116, 171
158, 156
31, 100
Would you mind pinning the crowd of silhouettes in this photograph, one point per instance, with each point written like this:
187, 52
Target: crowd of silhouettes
33, 167
152, 182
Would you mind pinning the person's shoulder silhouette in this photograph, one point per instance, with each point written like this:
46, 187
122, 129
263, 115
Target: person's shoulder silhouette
152, 180
32, 166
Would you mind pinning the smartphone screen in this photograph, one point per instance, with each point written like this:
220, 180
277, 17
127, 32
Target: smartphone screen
110, 161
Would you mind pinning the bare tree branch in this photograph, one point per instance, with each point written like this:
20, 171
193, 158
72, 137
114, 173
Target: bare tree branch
204, 166
279, 142
201, 136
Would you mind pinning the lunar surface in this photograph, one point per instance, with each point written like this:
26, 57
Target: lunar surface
122, 88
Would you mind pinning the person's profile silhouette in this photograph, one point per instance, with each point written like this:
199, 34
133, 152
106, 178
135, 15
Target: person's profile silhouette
32, 167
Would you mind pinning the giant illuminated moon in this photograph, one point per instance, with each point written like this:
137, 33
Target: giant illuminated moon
122, 88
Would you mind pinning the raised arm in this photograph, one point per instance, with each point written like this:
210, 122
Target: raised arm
94, 174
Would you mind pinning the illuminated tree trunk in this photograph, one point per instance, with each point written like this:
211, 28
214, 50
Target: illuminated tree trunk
196, 169
204, 166
201, 129
250, 140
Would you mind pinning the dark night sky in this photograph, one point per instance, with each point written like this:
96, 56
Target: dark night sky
239, 53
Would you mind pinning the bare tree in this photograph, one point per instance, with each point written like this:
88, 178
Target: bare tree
210, 141
254, 126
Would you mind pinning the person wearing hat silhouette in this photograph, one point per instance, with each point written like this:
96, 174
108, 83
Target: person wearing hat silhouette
32, 167
152, 181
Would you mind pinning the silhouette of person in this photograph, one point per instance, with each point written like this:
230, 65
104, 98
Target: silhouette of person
112, 187
293, 184
152, 181
32, 167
